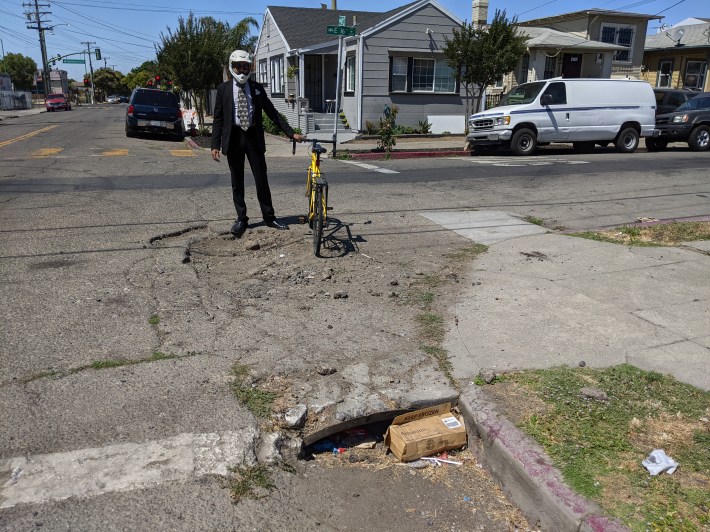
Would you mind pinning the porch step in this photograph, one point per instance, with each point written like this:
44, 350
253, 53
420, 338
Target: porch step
322, 124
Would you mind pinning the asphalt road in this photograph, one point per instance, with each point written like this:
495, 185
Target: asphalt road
81, 204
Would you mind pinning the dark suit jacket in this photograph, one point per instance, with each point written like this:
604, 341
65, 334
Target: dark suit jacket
223, 118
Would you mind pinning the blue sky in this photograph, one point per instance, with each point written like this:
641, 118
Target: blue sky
126, 31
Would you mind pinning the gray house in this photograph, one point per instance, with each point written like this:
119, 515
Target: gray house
395, 58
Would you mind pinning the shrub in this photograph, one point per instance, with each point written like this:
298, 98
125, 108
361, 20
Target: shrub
270, 127
387, 130
424, 127
370, 127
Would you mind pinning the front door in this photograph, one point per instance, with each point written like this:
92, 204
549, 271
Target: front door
313, 81
572, 65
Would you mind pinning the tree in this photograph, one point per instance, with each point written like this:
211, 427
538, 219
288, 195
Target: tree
21, 69
480, 56
194, 55
139, 76
108, 81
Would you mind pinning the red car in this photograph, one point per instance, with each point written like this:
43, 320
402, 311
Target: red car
56, 102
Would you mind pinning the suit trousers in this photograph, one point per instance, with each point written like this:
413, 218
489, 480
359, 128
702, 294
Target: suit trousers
245, 143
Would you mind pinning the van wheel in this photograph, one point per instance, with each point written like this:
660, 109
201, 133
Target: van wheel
524, 142
655, 144
627, 141
583, 147
699, 139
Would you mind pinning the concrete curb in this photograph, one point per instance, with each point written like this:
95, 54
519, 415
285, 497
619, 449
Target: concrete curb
526, 473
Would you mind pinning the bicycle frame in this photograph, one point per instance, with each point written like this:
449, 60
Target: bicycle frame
317, 193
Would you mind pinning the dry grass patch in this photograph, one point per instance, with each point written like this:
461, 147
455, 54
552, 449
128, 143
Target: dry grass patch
662, 234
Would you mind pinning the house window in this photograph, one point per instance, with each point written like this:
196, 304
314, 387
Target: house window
695, 72
263, 72
421, 75
398, 77
350, 74
277, 75
550, 63
665, 73
621, 35
524, 68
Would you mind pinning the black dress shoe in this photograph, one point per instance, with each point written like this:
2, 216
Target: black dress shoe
239, 228
276, 225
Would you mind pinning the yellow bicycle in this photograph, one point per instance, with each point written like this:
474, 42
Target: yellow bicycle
317, 194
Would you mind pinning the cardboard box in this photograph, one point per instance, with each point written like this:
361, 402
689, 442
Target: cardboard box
425, 432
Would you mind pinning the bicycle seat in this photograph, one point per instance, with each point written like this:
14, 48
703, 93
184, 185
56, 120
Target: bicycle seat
319, 149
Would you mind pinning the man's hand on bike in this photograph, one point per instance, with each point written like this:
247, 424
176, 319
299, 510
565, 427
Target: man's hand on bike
298, 137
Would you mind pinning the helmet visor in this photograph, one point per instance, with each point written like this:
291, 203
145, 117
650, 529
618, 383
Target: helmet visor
239, 66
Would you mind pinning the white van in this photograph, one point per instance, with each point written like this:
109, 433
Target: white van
584, 112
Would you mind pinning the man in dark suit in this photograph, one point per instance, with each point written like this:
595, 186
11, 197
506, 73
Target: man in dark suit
239, 131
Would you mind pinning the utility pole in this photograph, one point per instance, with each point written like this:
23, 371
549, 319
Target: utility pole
37, 14
91, 68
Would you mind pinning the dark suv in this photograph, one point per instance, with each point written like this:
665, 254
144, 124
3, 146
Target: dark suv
668, 100
154, 111
690, 123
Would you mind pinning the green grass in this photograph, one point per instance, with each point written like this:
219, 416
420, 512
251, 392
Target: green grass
154, 319
250, 482
259, 402
599, 446
599, 237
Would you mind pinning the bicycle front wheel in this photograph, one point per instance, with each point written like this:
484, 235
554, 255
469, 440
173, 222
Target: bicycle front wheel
318, 220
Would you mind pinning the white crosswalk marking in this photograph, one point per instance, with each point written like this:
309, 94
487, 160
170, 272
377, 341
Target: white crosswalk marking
372, 167
123, 467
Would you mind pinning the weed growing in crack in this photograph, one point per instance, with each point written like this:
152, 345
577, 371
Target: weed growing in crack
154, 319
249, 482
468, 253
116, 363
535, 220
259, 402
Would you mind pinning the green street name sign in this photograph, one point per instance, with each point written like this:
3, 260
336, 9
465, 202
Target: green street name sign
341, 30
74, 61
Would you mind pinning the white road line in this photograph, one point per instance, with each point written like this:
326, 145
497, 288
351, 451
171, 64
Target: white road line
372, 167
516, 161
123, 467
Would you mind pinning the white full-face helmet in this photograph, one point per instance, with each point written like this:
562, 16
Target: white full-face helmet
240, 65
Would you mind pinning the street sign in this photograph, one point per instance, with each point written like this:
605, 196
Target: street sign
340, 30
341, 21
74, 61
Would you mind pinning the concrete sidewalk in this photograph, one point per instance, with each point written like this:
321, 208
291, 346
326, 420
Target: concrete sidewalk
541, 299
16, 113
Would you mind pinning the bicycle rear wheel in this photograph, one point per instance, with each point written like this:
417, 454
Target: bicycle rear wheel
318, 220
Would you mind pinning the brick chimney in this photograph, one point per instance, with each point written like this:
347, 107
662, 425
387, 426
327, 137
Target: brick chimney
479, 13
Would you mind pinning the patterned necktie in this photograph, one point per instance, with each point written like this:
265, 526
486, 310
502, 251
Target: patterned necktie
242, 108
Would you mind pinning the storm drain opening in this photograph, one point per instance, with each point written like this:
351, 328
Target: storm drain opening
428, 434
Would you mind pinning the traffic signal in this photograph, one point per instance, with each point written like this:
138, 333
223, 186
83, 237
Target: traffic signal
150, 83
86, 82
98, 54
157, 78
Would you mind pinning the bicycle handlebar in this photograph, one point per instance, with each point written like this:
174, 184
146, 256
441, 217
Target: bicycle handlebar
311, 141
